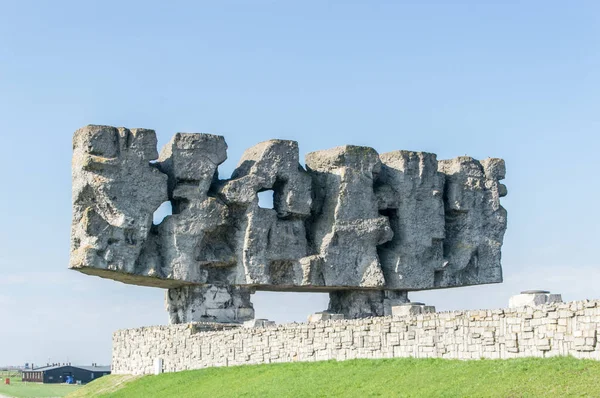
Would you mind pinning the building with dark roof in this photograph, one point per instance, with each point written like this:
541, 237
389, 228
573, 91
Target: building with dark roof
60, 373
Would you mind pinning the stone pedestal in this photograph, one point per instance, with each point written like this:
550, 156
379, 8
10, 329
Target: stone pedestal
409, 309
393, 298
210, 303
532, 298
365, 303
258, 323
324, 316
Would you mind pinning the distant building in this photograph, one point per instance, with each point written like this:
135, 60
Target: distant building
59, 373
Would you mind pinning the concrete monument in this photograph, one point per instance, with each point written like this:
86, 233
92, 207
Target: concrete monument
365, 227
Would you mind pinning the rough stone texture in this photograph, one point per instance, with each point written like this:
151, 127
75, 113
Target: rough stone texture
209, 303
410, 192
270, 242
183, 248
115, 193
365, 303
346, 227
367, 228
475, 220
542, 331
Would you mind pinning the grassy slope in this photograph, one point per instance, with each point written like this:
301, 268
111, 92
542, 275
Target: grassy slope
19, 389
557, 377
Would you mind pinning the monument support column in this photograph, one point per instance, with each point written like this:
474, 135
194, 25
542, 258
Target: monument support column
209, 303
365, 303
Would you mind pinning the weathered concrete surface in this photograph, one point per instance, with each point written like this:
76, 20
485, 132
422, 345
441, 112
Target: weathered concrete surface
410, 193
270, 242
209, 303
115, 193
365, 227
365, 303
540, 331
346, 227
475, 220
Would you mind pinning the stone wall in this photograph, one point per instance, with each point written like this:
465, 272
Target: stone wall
542, 331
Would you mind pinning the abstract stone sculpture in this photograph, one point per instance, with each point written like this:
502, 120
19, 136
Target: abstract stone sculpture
367, 228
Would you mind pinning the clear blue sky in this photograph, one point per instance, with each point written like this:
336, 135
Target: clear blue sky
518, 80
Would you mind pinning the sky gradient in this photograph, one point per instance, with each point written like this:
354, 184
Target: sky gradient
486, 79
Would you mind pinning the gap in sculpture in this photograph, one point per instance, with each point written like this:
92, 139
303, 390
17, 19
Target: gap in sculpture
365, 227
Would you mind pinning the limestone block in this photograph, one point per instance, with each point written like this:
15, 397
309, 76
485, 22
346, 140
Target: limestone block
324, 316
392, 298
411, 309
258, 323
408, 309
532, 298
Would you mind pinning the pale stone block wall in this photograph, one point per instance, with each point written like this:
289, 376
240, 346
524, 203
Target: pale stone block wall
542, 331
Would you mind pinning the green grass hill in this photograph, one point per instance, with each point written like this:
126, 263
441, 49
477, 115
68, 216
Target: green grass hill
528, 377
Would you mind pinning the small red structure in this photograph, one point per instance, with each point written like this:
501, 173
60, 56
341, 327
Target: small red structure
7, 381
